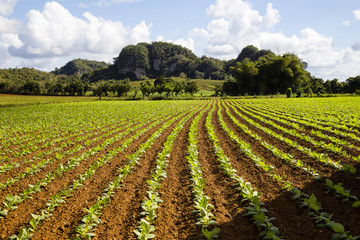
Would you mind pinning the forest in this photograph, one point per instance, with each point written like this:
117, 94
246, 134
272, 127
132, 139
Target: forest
253, 72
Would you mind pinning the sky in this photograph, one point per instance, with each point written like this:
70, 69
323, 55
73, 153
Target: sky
47, 34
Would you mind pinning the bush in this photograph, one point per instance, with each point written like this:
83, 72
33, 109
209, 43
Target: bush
288, 93
299, 93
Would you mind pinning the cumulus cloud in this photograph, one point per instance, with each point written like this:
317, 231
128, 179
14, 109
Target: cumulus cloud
236, 24
7, 40
272, 16
55, 32
185, 42
7, 6
9, 25
357, 14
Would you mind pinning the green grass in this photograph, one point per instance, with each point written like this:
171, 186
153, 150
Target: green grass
8, 100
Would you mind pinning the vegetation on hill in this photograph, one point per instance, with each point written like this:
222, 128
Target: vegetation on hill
253, 72
79, 66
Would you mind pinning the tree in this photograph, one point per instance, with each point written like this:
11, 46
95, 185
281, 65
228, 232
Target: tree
288, 93
168, 89
249, 52
245, 73
230, 88
101, 88
146, 88
317, 85
252, 53
218, 90
75, 86
352, 84
191, 87
31, 87
178, 88
210, 65
160, 80
121, 87
59, 88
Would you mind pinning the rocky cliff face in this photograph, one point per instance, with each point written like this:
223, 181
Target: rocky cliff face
157, 64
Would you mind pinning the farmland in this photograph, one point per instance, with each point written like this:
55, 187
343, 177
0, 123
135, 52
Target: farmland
232, 169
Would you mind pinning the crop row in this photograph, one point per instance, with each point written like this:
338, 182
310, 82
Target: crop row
253, 144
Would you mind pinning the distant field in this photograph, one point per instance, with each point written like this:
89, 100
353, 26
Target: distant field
15, 100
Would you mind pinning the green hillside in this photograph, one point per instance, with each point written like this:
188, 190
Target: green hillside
80, 66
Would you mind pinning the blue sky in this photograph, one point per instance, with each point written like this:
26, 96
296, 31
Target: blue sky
46, 34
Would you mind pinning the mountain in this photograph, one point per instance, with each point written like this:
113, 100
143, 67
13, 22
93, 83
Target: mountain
80, 66
167, 59
150, 60
155, 59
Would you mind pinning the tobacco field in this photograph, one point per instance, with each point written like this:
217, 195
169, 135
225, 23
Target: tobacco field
196, 169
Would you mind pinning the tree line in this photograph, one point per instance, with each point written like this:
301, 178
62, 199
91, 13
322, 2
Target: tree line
264, 73
33, 82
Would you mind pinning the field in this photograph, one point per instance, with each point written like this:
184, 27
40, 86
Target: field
8, 100
232, 169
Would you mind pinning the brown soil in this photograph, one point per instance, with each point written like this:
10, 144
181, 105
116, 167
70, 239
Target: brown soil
277, 201
20, 186
224, 196
13, 221
127, 201
175, 218
23, 166
309, 128
351, 151
342, 212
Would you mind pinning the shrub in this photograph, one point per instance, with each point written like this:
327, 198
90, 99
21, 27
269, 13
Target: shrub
288, 93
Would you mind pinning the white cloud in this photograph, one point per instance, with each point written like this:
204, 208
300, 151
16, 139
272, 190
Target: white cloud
140, 33
56, 33
10, 39
199, 32
7, 6
185, 42
9, 25
357, 14
220, 50
272, 16
7, 40
346, 23
236, 24
160, 38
